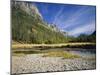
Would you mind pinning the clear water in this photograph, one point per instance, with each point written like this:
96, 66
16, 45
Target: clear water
77, 51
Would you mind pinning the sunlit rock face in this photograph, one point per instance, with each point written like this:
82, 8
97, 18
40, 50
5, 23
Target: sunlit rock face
28, 7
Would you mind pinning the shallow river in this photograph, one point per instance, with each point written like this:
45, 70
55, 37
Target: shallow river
33, 62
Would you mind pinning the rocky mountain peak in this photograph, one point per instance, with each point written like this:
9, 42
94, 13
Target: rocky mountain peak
28, 7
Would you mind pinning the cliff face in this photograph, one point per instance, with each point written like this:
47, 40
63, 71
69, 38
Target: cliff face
28, 7
28, 25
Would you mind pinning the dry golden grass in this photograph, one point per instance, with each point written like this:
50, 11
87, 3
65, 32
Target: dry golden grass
18, 55
64, 54
14, 46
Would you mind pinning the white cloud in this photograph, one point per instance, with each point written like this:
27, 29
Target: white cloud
75, 18
87, 29
64, 20
56, 18
76, 21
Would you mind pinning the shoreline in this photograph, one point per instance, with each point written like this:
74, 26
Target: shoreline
62, 45
37, 63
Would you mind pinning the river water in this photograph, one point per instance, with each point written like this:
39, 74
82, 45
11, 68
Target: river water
33, 61
77, 51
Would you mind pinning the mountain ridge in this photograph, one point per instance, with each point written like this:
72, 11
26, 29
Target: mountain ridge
28, 7
28, 25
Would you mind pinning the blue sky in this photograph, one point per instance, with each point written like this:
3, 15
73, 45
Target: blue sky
74, 19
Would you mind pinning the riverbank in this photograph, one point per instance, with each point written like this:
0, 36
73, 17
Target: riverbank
36, 63
36, 58
82, 45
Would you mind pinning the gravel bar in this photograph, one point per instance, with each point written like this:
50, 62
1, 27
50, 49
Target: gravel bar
34, 63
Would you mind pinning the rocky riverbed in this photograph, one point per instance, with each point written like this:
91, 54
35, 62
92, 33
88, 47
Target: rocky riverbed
33, 63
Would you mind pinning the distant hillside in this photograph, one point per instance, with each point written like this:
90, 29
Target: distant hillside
84, 38
28, 25
93, 37
94, 33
